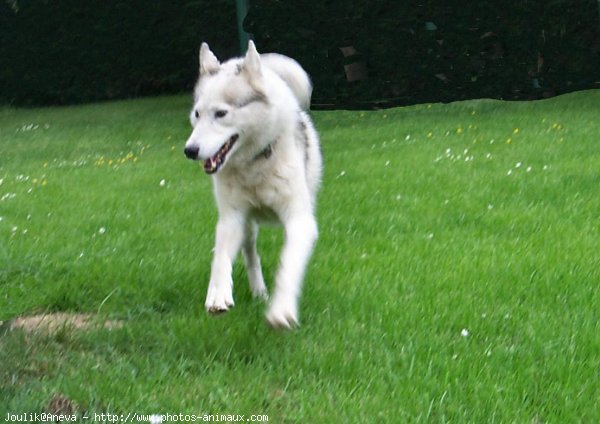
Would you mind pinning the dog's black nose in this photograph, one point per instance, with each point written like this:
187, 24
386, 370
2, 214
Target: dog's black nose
191, 152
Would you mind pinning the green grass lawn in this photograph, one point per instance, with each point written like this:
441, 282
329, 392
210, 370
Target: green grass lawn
455, 278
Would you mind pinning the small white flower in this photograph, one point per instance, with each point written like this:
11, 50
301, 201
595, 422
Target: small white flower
490, 207
518, 165
545, 167
528, 169
102, 230
407, 137
162, 183
387, 163
342, 174
464, 332
509, 172
430, 236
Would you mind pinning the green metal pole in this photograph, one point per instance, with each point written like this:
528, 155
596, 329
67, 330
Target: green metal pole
241, 7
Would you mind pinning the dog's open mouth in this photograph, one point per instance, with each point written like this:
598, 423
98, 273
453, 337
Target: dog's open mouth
214, 163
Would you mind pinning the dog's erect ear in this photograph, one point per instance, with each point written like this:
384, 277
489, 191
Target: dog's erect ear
252, 61
209, 64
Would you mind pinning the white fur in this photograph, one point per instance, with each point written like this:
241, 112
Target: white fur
292, 73
263, 97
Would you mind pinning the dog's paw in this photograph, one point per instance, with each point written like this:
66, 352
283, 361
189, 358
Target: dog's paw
218, 301
283, 315
260, 293
257, 284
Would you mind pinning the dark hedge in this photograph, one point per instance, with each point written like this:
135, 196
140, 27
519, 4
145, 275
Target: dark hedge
425, 51
396, 52
71, 51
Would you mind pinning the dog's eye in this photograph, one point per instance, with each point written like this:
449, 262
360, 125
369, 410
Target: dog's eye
220, 113
197, 114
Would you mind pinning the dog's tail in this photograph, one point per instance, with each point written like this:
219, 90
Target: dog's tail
292, 73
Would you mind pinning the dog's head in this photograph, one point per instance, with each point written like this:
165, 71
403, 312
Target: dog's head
230, 106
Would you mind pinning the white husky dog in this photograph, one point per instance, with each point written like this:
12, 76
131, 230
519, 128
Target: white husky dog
251, 131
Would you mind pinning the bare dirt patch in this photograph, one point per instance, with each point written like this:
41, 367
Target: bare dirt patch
53, 322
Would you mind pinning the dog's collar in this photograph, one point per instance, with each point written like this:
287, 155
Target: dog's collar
266, 152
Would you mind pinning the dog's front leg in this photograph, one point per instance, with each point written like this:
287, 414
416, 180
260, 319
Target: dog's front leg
300, 236
230, 230
252, 260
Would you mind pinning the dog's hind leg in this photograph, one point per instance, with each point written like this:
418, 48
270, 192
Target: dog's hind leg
300, 233
230, 229
252, 261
